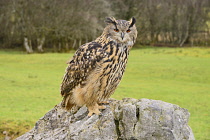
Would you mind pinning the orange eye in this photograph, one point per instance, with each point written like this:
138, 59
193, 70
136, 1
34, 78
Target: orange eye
116, 30
128, 30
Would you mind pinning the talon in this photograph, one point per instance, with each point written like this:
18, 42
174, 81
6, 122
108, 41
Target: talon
94, 109
90, 114
101, 107
104, 102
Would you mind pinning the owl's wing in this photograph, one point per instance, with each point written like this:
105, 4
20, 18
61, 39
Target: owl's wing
83, 63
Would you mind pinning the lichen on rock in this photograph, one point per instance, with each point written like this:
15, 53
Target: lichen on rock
127, 119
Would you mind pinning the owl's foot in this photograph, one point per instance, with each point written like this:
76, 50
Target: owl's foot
93, 110
101, 107
104, 102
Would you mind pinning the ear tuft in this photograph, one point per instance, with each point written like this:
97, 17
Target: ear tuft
132, 21
111, 20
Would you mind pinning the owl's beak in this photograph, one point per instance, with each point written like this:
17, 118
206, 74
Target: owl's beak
122, 35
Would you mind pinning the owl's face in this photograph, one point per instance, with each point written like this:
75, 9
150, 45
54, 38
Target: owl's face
121, 31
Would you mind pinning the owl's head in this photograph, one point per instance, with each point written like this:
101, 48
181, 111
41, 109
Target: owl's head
121, 31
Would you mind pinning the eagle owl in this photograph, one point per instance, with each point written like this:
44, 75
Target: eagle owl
97, 67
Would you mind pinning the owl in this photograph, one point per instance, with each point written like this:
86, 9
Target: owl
97, 67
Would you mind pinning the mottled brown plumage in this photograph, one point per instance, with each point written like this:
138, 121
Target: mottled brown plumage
97, 67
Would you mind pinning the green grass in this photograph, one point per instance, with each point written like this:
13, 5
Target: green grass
29, 84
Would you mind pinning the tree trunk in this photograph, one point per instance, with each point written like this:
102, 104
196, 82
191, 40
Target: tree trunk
27, 45
74, 44
186, 37
67, 46
40, 44
86, 39
54, 47
59, 47
80, 43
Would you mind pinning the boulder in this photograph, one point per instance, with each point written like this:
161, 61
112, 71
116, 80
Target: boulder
127, 119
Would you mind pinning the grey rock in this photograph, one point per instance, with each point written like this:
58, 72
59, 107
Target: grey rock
128, 119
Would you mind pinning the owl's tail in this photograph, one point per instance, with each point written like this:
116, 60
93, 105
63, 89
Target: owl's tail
67, 102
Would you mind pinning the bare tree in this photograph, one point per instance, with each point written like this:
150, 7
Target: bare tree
65, 24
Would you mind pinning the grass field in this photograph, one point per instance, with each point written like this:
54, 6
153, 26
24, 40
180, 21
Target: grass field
29, 84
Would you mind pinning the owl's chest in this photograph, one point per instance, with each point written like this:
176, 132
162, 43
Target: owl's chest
115, 64
109, 71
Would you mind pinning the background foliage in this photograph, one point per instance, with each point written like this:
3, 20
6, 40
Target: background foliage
66, 24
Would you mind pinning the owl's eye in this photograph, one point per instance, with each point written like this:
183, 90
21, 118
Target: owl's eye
116, 30
128, 30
